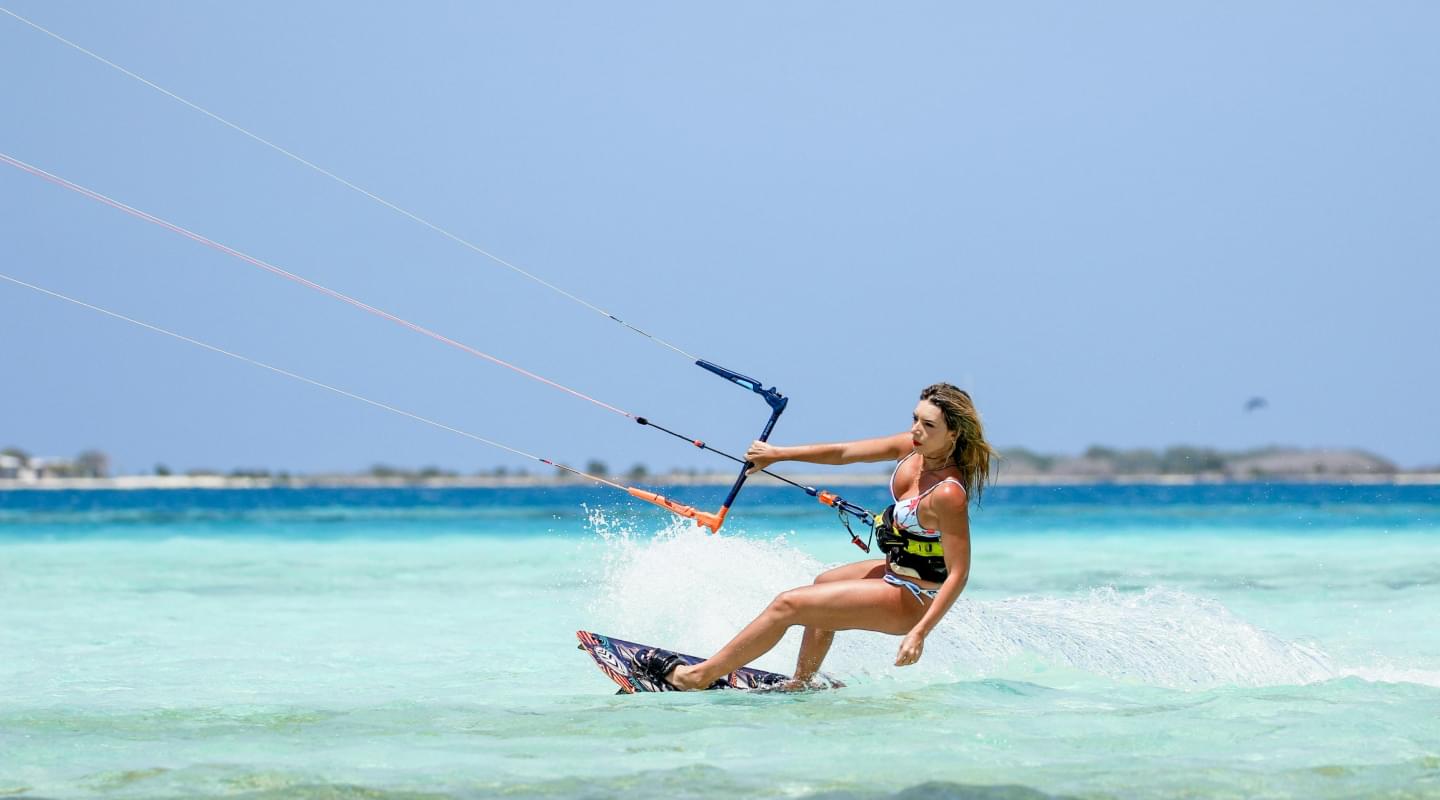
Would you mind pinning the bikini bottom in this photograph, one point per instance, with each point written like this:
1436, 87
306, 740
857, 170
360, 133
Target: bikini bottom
920, 592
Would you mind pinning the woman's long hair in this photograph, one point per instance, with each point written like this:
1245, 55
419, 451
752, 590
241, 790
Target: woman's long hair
972, 453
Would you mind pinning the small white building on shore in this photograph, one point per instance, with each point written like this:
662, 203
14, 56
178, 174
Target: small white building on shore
36, 468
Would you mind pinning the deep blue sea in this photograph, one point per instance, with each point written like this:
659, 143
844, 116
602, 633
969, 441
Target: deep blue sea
1114, 641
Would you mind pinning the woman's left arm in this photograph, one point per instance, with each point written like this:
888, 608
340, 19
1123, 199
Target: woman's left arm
948, 503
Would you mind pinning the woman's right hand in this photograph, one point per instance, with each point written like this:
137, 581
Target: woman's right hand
761, 455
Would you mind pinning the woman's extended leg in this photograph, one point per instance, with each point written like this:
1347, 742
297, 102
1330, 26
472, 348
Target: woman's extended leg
833, 606
816, 642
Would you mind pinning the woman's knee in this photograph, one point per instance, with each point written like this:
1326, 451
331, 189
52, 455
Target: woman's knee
785, 605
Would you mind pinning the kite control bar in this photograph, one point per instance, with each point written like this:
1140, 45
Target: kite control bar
773, 398
705, 519
713, 521
776, 400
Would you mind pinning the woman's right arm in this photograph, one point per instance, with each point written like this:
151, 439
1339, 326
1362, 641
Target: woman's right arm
885, 448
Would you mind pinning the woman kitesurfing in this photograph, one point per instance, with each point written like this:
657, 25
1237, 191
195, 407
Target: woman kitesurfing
924, 534
943, 460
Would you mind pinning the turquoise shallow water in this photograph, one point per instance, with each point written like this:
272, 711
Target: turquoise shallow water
1230, 641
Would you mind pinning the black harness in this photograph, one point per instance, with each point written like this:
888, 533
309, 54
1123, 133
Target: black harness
913, 552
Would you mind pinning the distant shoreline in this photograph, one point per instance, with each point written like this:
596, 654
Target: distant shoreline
132, 482
1177, 465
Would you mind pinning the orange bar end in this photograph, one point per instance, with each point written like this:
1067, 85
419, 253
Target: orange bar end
711, 521
703, 519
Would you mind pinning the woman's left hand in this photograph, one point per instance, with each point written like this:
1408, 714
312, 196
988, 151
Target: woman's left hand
911, 647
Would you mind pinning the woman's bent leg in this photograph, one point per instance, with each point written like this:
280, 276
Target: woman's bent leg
813, 648
816, 642
840, 605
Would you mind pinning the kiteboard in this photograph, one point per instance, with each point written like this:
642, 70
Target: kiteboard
616, 658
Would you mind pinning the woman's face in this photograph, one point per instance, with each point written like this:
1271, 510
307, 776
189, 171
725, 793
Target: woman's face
929, 433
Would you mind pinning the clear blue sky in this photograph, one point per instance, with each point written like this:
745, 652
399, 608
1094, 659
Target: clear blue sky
1113, 222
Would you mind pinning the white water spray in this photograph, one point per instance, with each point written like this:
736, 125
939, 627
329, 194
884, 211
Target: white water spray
687, 590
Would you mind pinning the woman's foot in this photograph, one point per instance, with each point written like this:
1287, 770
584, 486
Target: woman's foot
656, 665
667, 671
686, 678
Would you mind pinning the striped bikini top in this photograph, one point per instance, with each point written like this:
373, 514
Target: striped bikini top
907, 511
